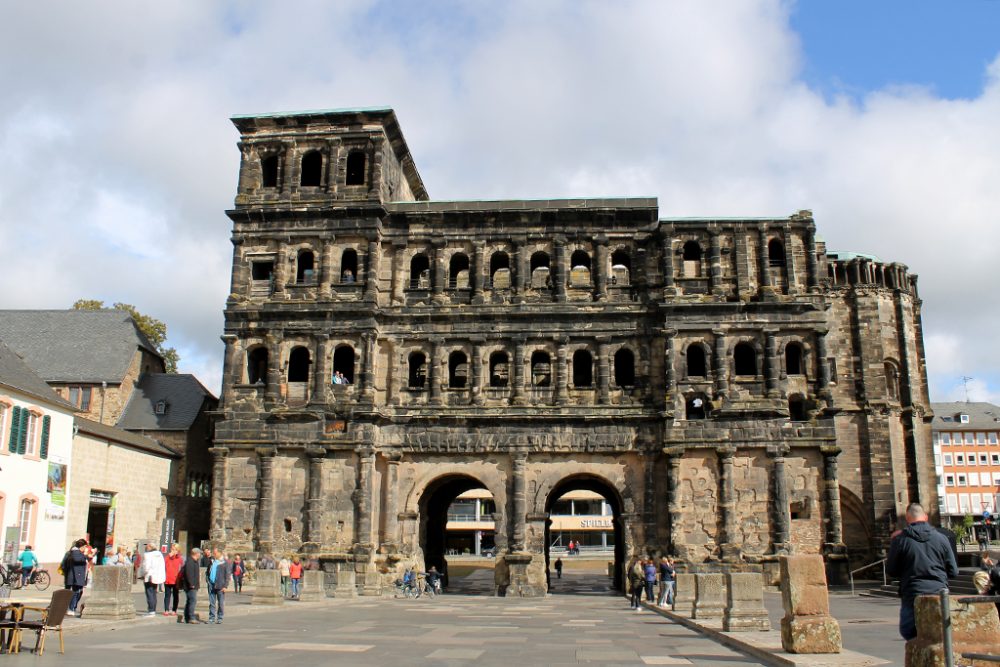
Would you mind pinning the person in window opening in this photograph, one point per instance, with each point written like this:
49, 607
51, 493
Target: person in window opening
347, 276
340, 378
28, 563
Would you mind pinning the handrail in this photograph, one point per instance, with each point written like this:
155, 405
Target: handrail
885, 577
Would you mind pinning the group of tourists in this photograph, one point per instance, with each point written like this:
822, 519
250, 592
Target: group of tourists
340, 378
654, 579
290, 569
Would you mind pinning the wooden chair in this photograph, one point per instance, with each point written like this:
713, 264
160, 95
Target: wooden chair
52, 619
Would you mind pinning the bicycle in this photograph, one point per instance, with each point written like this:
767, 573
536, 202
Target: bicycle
7, 580
406, 590
39, 577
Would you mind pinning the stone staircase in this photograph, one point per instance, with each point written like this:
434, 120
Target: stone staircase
960, 585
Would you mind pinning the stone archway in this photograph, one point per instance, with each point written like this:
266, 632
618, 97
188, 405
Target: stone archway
856, 530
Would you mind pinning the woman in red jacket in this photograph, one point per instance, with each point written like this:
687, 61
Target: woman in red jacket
173, 562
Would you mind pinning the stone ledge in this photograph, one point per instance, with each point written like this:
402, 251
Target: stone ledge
766, 646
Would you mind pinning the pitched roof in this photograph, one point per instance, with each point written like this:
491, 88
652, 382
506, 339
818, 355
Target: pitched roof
981, 415
131, 440
182, 394
16, 374
87, 346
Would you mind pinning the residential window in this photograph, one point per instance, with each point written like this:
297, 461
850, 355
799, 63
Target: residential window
31, 442
993, 438
25, 518
952, 503
982, 460
971, 459
960, 459
948, 459
963, 419
936, 438
996, 479
949, 480
995, 459
4, 411
963, 503
946, 438
973, 479
970, 439
976, 500
980, 438
962, 480
80, 397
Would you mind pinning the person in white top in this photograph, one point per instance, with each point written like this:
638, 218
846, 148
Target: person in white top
153, 573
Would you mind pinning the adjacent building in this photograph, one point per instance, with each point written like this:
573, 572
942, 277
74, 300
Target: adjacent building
966, 439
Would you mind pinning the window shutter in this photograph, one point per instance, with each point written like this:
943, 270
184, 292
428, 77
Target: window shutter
43, 450
23, 433
15, 430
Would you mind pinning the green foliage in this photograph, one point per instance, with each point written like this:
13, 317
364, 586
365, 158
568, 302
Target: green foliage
154, 329
966, 526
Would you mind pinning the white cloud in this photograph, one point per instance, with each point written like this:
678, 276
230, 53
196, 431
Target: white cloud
119, 159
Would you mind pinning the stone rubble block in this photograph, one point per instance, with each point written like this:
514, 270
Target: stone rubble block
745, 603
313, 586
268, 589
710, 596
807, 626
684, 595
975, 628
110, 597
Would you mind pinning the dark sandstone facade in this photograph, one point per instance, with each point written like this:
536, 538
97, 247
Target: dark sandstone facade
734, 390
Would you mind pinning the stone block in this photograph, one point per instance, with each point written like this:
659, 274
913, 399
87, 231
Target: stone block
684, 594
807, 626
110, 597
346, 586
745, 603
710, 596
974, 629
268, 588
313, 586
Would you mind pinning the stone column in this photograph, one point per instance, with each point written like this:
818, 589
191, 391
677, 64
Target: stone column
831, 482
326, 274
522, 266
720, 364
434, 382
363, 504
517, 372
280, 273
600, 272
314, 501
729, 547
822, 366
390, 535
674, 508
232, 371
715, 263
371, 275
265, 499
476, 372
561, 375
763, 261
559, 266
771, 361
368, 368
670, 375
793, 283
476, 272
400, 277
273, 390
667, 259
780, 511
438, 271
807, 626
603, 370
321, 370
219, 482
519, 462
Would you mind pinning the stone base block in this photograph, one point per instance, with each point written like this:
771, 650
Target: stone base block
974, 628
268, 588
811, 634
745, 603
710, 596
313, 586
110, 598
745, 621
684, 595
526, 577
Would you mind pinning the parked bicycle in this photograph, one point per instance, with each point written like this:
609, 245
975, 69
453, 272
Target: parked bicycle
39, 578
7, 581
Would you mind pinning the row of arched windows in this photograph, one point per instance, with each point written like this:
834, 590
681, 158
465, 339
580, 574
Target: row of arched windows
299, 362
692, 256
744, 360
311, 169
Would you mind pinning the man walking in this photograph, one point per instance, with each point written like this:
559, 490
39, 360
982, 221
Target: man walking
922, 559
74, 567
559, 567
153, 573
219, 574
190, 580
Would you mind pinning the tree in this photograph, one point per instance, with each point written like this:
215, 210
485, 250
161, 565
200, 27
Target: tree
152, 328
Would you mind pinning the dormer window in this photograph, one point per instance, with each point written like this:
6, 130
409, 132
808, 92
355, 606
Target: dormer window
160, 408
963, 418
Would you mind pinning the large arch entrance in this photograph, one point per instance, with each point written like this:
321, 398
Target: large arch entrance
586, 510
457, 532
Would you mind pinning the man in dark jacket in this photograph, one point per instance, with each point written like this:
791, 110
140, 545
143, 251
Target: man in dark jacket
190, 578
922, 559
74, 567
219, 574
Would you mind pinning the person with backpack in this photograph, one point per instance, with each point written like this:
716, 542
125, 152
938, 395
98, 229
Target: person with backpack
635, 580
74, 569
219, 575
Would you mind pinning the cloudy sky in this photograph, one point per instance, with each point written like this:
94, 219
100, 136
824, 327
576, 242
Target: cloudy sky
117, 158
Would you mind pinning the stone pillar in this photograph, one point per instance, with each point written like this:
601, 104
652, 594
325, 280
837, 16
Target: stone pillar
729, 547
974, 629
822, 367
368, 368
675, 509
314, 500
600, 273
232, 369
793, 282
390, 509
715, 265
519, 462
346, 584
603, 370
313, 586
812, 267
669, 372
272, 393
720, 364
476, 272
476, 371
807, 626
321, 370
267, 588
771, 363
710, 596
745, 603
400, 277
217, 533
363, 503
438, 271
763, 262
834, 548
684, 595
780, 512
517, 372
433, 379
559, 265
110, 597
561, 374
519, 266
265, 499
667, 258
371, 275
280, 273
326, 274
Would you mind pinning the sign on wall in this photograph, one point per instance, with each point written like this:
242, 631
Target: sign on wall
56, 484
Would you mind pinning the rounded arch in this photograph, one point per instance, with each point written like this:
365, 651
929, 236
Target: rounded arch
311, 174
305, 266
257, 360
856, 527
458, 271
356, 167
624, 367
795, 358
299, 360
776, 253
344, 358
697, 358
746, 360
420, 271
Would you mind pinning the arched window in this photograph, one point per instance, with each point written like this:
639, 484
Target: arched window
298, 365
312, 169
343, 363
420, 272
776, 253
349, 266
269, 172
621, 267
356, 168
304, 272
745, 359
26, 520
458, 271
499, 369
796, 408
793, 359
892, 381
500, 270
696, 407
625, 368
580, 260
696, 363
579, 272
540, 270
257, 365
417, 370
541, 369
583, 369
458, 370
691, 255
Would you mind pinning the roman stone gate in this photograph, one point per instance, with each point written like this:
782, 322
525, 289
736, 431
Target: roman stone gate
730, 387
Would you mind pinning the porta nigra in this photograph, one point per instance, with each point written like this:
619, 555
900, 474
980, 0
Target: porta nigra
735, 390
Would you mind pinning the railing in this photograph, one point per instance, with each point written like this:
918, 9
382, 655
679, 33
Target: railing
885, 576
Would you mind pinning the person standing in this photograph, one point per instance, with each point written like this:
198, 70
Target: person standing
559, 566
239, 569
219, 574
649, 574
74, 567
295, 576
283, 570
173, 562
922, 560
667, 574
28, 564
635, 577
191, 581
153, 573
